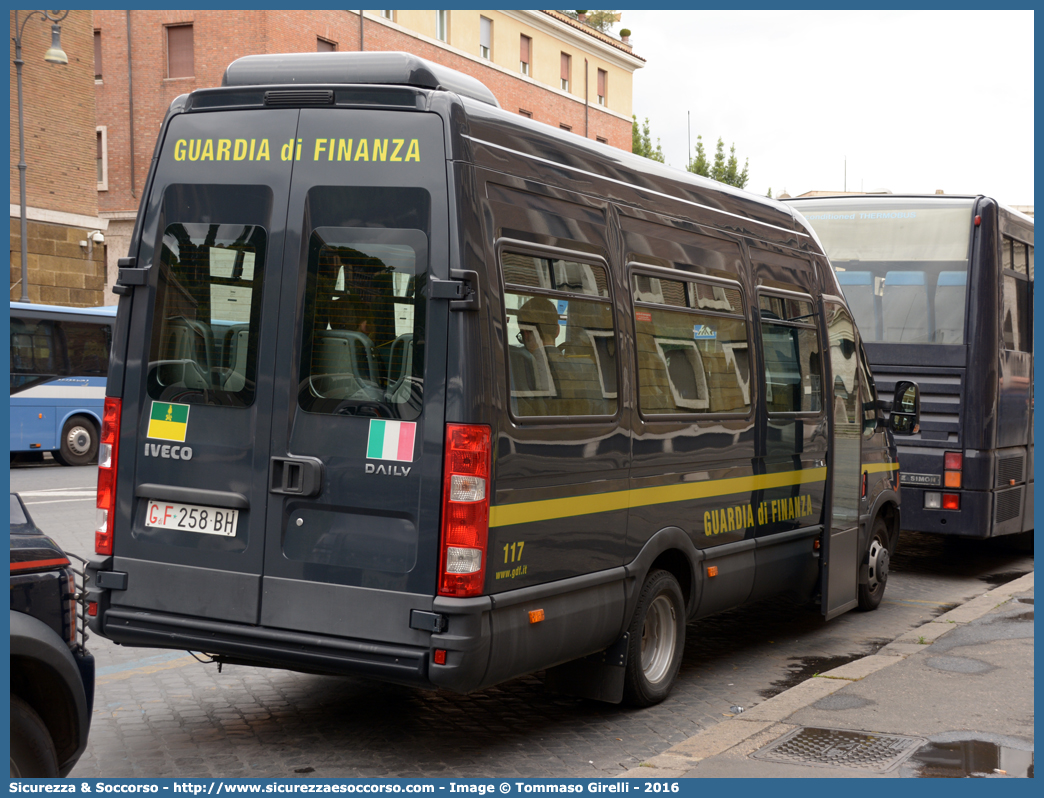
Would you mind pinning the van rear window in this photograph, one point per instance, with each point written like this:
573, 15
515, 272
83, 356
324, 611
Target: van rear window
208, 308
364, 314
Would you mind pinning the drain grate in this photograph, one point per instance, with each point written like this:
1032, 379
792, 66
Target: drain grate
874, 753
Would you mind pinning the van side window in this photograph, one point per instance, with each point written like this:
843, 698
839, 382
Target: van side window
793, 362
208, 309
561, 341
691, 339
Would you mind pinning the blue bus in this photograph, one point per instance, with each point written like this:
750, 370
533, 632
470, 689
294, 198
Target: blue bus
59, 362
941, 287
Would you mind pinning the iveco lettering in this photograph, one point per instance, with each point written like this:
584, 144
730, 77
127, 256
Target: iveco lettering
409, 387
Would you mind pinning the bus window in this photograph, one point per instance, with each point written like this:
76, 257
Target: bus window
1015, 316
793, 369
561, 348
690, 360
902, 264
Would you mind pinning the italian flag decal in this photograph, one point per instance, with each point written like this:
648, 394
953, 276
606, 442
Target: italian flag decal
391, 440
168, 422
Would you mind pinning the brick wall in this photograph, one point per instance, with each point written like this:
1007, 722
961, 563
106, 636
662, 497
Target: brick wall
59, 117
221, 37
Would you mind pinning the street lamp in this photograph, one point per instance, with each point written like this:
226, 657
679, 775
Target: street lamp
56, 56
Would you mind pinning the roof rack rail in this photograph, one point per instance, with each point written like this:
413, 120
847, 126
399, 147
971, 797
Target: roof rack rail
393, 69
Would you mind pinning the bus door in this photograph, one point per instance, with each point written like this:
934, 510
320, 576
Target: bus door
354, 478
841, 537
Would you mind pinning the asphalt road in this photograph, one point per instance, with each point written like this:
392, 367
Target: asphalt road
163, 713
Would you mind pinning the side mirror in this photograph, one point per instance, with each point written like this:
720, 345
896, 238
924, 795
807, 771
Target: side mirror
905, 418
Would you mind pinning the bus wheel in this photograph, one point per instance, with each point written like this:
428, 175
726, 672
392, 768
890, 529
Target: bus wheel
657, 639
876, 568
79, 442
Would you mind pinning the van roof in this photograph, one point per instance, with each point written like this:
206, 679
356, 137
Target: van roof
395, 69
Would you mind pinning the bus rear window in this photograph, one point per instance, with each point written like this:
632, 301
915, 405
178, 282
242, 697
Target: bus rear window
903, 267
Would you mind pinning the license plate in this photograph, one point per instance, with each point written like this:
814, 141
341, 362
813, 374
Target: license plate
192, 518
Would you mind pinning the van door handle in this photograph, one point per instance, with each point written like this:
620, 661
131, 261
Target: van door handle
295, 476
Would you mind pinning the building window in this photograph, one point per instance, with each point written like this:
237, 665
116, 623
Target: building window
564, 126
567, 70
102, 158
603, 79
442, 26
97, 55
485, 37
602, 140
525, 113
324, 46
388, 15
179, 52
524, 51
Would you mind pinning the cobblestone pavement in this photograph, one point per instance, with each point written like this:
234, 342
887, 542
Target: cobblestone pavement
161, 713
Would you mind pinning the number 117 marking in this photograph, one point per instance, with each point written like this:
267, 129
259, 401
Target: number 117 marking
515, 555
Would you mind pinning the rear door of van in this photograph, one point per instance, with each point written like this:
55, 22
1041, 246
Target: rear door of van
286, 404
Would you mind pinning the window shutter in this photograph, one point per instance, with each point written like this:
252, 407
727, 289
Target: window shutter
565, 66
485, 32
179, 52
97, 55
524, 56
601, 82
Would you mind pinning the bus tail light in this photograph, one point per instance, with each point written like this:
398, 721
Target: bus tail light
953, 462
951, 501
465, 510
108, 454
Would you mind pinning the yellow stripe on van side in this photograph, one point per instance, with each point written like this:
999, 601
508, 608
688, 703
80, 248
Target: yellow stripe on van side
873, 468
548, 509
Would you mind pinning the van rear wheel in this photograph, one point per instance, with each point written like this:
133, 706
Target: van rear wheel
656, 641
79, 442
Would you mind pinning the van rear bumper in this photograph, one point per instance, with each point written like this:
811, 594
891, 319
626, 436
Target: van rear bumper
269, 647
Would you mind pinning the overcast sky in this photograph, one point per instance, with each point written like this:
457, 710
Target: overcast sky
915, 101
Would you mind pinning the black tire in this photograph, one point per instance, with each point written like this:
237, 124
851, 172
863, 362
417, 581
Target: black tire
33, 755
656, 641
79, 442
875, 567
1021, 542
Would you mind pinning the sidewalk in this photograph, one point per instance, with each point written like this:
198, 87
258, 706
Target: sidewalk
951, 698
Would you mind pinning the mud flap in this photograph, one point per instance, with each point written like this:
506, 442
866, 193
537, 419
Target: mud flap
599, 677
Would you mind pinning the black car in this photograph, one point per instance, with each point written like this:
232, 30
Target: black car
52, 674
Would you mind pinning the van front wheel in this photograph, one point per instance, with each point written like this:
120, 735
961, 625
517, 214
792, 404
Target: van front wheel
875, 568
656, 641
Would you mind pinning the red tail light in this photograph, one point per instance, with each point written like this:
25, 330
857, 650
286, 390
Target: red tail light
951, 501
108, 454
953, 462
465, 510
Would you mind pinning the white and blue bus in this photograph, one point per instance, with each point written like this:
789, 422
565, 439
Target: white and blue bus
59, 362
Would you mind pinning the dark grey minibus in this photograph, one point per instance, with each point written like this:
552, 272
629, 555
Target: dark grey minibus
407, 386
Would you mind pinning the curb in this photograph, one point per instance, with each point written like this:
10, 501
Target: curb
766, 719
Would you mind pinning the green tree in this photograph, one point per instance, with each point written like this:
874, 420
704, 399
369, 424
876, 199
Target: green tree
698, 165
723, 170
641, 141
601, 21
769, 195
